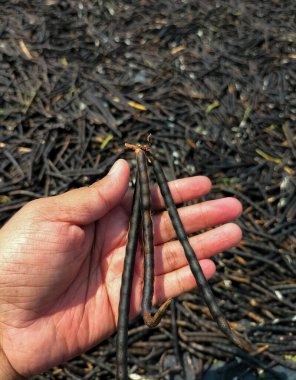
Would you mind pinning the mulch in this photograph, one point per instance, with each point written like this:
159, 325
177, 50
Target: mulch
215, 84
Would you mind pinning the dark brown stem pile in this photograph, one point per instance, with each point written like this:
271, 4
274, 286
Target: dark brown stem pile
141, 212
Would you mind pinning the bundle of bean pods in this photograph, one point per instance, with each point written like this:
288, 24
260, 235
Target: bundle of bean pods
141, 215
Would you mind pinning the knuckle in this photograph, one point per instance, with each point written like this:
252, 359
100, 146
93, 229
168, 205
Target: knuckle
172, 255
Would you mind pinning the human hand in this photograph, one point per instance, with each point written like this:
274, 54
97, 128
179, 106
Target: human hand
61, 261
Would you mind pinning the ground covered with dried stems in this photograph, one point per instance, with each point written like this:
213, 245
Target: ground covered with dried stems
215, 83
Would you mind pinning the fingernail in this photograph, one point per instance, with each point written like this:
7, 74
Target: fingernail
115, 168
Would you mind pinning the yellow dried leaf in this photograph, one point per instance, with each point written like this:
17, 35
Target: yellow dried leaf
234, 325
4, 199
64, 61
255, 317
231, 88
24, 149
89, 367
293, 55
162, 21
137, 106
197, 95
262, 349
2, 145
25, 50
240, 260
57, 371
106, 141
289, 170
177, 49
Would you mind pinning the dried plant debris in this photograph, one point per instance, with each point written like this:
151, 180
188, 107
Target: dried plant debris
215, 85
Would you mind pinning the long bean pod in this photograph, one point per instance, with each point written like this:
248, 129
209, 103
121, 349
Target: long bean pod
148, 245
126, 286
193, 261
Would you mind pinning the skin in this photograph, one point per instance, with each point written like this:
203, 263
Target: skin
61, 260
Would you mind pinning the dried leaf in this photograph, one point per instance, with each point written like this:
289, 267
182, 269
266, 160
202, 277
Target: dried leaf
24, 149
137, 106
25, 50
106, 141
267, 157
212, 106
177, 49
4, 199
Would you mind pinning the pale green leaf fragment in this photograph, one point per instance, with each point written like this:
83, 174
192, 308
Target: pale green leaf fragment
106, 141
247, 113
64, 61
290, 357
212, 106
267, 157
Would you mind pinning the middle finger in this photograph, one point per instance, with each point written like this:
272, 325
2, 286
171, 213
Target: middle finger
196, 217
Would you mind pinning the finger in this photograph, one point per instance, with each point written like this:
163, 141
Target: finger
87, 204
196, 218
170, 256
183, 190
179, 281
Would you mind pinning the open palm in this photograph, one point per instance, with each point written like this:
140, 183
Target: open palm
62, 260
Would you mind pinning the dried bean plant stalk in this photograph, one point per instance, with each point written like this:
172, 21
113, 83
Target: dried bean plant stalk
126, 286
195, 267
148, 245
141, 211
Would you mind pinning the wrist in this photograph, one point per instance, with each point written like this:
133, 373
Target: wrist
7, 372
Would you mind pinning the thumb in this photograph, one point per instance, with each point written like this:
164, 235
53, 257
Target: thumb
87, 204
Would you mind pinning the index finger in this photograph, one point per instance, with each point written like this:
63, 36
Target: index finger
183, 190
